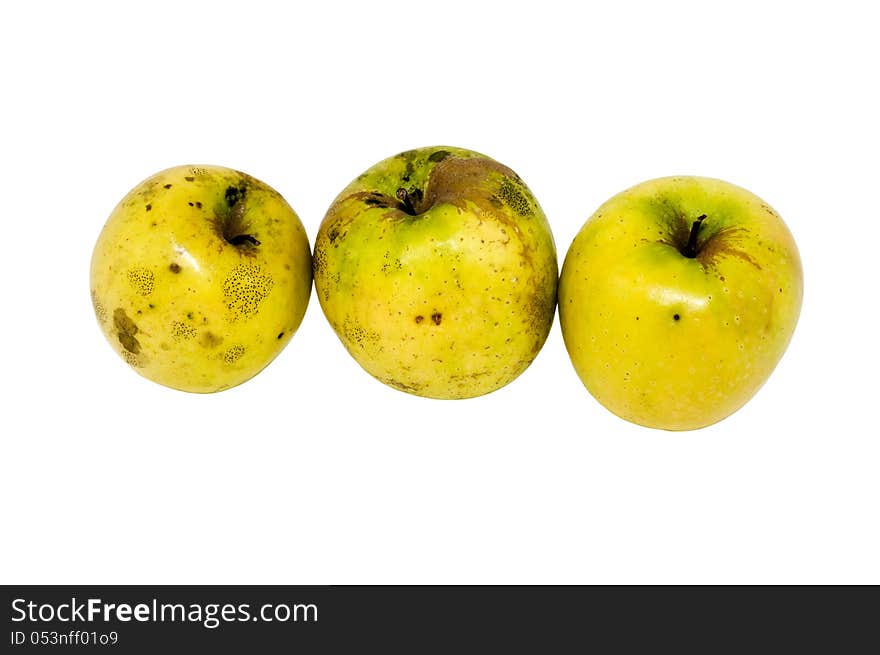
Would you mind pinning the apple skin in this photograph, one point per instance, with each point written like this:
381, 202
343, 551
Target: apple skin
200, 277
675, 342
450, 298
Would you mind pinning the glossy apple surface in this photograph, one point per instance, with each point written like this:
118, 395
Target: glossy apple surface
437, 270
200, 277
678, 298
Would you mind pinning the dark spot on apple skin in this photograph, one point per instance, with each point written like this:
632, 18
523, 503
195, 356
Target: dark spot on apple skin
514, 198
141, 280
402, 386
408, 171
373, 201
233, 354
437, 318
419, 319
280, 334
676, 317
210, 340
167, 186
126, 331
149, 207
189, 178
174, 267
246, 286
234, 194
438, 155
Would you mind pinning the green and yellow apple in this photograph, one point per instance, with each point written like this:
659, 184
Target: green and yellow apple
200, 277
437, 270
677, 299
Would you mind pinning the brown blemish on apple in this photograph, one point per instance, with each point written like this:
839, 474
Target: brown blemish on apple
126, 331
437, 318
135, 361
210, 340
373, 199
408, 171
511, 195
391, 263
319, 264
419, 319
141, 280
464, 377
356, 334
244, 289
454, 180
724, 244
100, 310
181, 331
149, 207
769, 210
233, 353
403, 386
540, 309
174, 267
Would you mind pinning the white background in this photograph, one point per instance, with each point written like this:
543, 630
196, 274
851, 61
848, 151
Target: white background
315, 473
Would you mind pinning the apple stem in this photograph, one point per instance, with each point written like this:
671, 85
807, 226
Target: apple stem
406, 202
690, 250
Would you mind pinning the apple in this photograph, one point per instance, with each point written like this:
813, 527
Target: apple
677, 299
437, 270
200, 277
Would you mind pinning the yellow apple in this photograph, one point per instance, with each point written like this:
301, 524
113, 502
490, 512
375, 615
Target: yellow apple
677, 299
437, 270
200, 277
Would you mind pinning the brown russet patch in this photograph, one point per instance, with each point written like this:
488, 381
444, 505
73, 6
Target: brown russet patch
724, 244
126, 331
210, 340
454, 180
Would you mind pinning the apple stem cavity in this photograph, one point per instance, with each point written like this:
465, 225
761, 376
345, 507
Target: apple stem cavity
406, 202
241, 239
690, 249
